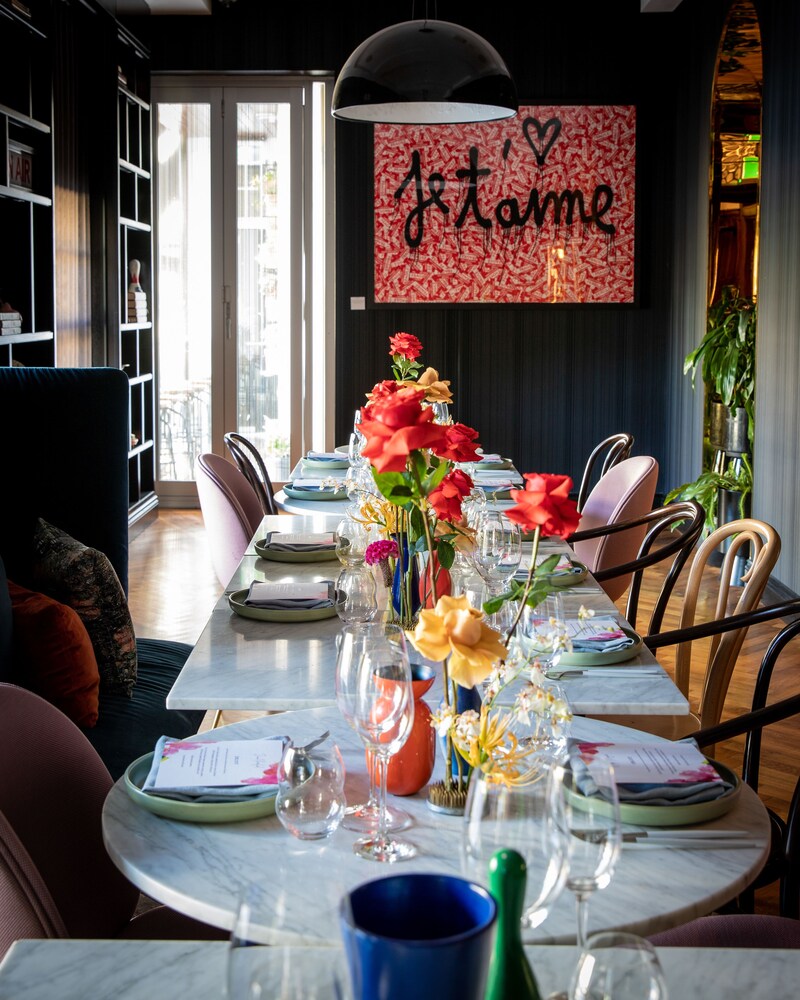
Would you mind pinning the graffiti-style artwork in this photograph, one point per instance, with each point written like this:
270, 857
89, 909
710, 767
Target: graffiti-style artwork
537, 208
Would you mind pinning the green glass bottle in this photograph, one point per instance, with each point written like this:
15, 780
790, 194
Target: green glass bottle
510, 974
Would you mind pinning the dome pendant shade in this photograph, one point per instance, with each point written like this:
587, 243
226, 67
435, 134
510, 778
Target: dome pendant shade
424, 73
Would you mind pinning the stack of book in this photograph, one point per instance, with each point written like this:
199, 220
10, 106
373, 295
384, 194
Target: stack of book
10, 322
137, 307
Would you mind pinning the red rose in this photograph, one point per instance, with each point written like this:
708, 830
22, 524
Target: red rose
446, 498
383, 389
545, 503
406, 345
460, 444
396, 425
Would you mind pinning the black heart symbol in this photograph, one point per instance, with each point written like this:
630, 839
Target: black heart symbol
553, 124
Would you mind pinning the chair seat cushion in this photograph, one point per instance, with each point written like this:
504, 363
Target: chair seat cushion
127, 728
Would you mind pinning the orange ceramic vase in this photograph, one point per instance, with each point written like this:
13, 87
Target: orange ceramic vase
411, 767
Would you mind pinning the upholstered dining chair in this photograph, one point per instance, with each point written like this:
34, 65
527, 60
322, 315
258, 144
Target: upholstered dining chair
56, 878
231, 511
625, 493
732, 930
604, 456
250, 463
727, 623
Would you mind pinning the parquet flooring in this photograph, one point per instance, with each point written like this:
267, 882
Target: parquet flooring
173, 588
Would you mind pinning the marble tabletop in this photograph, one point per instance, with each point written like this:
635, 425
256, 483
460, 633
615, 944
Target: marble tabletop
195, 970
242, 664
201, 869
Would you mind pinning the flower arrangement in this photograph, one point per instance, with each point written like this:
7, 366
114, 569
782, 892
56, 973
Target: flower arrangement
418, 505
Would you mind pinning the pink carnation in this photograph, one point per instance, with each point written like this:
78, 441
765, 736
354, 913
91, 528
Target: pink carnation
378, 552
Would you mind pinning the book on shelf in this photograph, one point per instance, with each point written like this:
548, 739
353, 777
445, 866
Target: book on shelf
137, 296
10, 315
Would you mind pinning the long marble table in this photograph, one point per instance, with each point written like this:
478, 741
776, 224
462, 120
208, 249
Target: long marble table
241, 664
195, 970
201, 869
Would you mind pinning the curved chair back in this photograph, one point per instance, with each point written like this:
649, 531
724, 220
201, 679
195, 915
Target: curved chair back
231, 511
625, 493
52, 791
250, 463
614, 449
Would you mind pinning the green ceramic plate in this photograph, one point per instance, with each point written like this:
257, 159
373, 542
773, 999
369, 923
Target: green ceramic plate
568, 577
325, 463
676, 814
602, 659
236, 603
314, 495
503, 463
193, 812
309, 555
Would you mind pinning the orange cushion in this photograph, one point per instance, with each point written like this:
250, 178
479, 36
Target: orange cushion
53, 654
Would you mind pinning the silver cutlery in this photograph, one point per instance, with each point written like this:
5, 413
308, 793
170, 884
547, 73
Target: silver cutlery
568, 673
675, 833
691, 845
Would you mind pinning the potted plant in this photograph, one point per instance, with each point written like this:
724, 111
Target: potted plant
726, 358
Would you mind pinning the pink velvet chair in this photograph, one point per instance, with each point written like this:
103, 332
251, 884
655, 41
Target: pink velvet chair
231, 511
56, 878
624, 493
732, 930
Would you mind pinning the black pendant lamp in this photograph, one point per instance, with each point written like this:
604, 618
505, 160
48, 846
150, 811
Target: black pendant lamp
424, 73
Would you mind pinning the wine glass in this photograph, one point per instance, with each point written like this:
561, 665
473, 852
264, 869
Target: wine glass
497, 553
515, 816
352, 645
584, 807
376, 698
618, 965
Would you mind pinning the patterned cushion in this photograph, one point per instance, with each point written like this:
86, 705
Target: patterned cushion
83, 578
53, 654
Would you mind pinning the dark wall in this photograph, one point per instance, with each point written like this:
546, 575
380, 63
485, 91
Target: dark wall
540, 383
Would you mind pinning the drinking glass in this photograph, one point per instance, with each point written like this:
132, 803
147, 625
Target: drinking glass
501, 816
362, 647
544, 632
352, 539
356, 595
618, 965
497, 553
260, 971
311, 801
585, 809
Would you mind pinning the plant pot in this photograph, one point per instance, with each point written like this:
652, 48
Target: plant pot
728, 429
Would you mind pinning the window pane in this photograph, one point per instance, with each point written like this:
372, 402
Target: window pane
184, 291
263, 285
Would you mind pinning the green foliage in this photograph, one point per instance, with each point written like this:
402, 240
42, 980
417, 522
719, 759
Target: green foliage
540, 588
705, 489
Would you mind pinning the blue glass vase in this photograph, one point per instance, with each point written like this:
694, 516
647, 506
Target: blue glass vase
405, 585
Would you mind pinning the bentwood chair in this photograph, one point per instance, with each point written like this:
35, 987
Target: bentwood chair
733, 612
625, 493
250, 463
56, 878
613, 449
231, 511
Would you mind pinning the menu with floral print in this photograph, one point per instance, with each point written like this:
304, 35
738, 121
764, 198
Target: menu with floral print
651, 763
223, 763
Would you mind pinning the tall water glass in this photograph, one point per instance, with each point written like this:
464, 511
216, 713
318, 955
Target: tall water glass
618, 965
585, 809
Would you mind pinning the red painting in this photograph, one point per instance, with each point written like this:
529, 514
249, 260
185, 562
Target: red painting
536, 208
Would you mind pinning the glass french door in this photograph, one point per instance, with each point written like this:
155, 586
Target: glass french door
243, 300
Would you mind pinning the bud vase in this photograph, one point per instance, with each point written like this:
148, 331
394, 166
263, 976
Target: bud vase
412, 766
405, 586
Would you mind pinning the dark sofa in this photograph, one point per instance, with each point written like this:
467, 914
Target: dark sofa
64, 446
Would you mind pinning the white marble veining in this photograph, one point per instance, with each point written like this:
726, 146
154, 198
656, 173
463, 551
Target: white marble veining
199, 870
239, 663
187, 970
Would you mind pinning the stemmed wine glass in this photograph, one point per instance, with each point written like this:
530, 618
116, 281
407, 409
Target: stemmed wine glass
374, 694
500, 816
498, 551
584, 807
619, 965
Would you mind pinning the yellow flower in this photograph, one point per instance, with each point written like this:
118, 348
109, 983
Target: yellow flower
436, 390
455, 629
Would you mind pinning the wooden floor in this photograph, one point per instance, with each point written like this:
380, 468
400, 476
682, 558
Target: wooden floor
173, 588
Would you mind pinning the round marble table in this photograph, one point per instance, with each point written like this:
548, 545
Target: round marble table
201, 869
